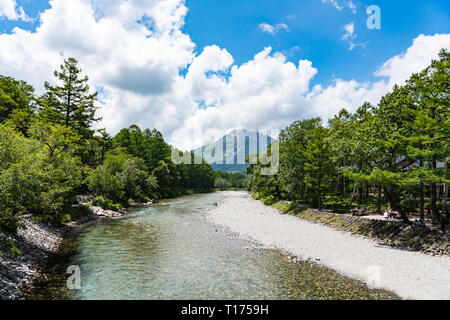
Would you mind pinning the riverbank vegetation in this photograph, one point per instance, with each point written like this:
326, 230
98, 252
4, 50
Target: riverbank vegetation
230, 181
391, 156
50, 153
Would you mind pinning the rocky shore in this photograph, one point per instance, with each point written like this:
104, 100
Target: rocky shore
35, 243
33, 246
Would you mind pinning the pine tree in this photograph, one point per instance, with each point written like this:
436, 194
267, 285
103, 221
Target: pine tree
71, 104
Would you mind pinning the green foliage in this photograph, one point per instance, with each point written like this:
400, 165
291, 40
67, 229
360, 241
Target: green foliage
15, 96
337, 203
394, 147
305, 168
147, 145
32, 179
222, 184
71, 104
122, 177
286, 206
49, 156
230, 180
106, 204
9, 247
268, 200
77, 212
156, 153
197, 175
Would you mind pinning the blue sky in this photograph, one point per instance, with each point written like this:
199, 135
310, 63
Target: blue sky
315, 30
204, 63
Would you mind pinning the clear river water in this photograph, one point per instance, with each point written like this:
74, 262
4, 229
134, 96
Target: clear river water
170, 251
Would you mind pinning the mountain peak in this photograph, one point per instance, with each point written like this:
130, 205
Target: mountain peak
229, 152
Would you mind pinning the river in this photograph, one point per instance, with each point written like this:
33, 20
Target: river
170, 251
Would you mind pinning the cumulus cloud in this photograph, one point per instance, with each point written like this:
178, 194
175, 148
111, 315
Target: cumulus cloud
10, 11
265, 27
415, 58
134, 53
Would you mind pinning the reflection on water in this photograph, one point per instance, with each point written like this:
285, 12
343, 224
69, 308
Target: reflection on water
169, 251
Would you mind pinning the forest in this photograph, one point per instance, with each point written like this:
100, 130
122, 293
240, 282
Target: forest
50, 153
393, 156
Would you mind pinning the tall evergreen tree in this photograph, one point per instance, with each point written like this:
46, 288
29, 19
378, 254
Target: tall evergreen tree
71, 104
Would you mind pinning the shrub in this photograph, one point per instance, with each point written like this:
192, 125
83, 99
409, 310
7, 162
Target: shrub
269, 200
106, 204
222, 184
286, 206
121, 178
336, 203
9, 247
34, 179
103, 183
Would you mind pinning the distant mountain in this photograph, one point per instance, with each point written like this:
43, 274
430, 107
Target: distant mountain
229, 153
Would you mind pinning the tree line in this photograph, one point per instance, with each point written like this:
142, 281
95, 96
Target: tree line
391, 156
50, 153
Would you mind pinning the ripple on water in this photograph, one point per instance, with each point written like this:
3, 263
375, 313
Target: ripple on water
169, 251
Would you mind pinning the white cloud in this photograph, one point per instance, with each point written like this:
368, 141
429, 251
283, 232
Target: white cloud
136, 67
339, 5
133, 65
351, 36
10, 11
334, 3
265, 27
349, 31
415, 58
352, 6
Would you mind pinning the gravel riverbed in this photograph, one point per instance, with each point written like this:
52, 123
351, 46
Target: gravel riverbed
411, 275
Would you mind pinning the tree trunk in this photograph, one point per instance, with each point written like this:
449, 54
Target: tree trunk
69, 106
422, 203
422, 200
444, 204
353, 196
343, 186
277, 190
360, 196
379, 199
434, 209
319, 200
393, 204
